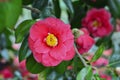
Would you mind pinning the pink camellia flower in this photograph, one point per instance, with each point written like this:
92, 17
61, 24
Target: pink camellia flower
51, 41
106, 77
100, 62
22, 68
97, 21
6, 73
108, 52
84, 41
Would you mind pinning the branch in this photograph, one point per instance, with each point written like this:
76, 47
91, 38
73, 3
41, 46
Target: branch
80, 56
32, 9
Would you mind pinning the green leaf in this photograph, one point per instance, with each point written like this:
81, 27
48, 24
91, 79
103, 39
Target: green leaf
97, 77
69, 5
57, 8
41, 5
62, 67
77, 64
79, 13
33, 66
24, 51
98, 53
23, 29
44, 74
114, 7
85, 74
9, 13
89, 74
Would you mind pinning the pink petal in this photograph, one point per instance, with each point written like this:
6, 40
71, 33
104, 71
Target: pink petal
38, 30
88, 42
58, 52
67, 35
48, 61
38, 57
70, 54
85, 42
69, 44
85, 31
41, 47
56, 24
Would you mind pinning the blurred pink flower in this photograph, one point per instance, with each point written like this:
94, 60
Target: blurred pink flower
6, 73
105, 76
108, 52
70, 67
97, 21
100, 62
51, 41
16, 46
22, 68
84, 42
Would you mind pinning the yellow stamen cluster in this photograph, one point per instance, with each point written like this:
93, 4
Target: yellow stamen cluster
96, 24
51, 40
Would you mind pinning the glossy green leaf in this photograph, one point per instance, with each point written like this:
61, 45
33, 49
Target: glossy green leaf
9, 13
98, 53
85, 74
69, 5
33, 66
62, 67
23, 29
77, 64
114, 8
57, 8
24, 51
41, 5
79, 13
97, 77
44, 74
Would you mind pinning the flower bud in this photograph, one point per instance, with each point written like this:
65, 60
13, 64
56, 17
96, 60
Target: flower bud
117, 70
76, 32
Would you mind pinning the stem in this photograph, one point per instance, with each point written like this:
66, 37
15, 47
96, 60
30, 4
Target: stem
80, 56
32, 9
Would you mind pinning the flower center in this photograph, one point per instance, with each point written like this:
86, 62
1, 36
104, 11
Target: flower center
96, 24
51, 40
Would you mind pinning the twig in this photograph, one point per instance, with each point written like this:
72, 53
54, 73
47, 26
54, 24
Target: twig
80, 56
32, 9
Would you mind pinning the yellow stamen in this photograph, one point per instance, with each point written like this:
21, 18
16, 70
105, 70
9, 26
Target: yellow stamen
51, 40
96, 24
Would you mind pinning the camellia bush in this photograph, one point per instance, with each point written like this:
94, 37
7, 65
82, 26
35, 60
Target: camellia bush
60, 40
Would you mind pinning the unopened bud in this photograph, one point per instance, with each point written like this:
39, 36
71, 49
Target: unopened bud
76, 32
117, 70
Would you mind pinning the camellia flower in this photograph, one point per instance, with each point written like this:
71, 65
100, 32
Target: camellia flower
6, 73
51, 41
100, 62
97, 21
106, 77
84, 41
